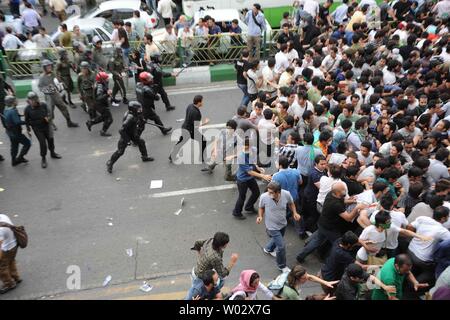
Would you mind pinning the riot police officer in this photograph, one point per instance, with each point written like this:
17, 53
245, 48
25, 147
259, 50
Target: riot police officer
37, 116
86, 84
154, 67
13, 125
129, 133
117, 67
62, 69
146, 96
101, 104
53, 98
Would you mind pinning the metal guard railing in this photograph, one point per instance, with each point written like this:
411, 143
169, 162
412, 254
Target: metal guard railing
223, 48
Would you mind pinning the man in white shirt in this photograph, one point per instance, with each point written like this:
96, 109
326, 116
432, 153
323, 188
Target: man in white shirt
139, 24
267, 130
270, 77
8, 245
312, 7
169, 40
43, 40
421, 252
281, 59
10, 41
331, 61
165, 9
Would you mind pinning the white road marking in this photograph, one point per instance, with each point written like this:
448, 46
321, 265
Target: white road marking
192, 191
200, 90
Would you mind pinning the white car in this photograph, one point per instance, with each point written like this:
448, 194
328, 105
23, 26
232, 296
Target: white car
120, 10
91, 27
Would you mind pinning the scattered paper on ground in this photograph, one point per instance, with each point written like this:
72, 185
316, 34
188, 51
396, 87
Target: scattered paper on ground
146, 287
130, 252
177, 213
107, 280
156, 184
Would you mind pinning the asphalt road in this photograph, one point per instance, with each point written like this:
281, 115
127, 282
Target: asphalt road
66, 207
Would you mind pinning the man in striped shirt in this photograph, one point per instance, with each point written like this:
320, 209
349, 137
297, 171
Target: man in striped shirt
290, 148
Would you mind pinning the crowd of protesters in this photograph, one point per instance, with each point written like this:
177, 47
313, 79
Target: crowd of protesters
354, 110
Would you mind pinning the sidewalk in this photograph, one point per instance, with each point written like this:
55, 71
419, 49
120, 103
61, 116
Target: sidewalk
190, 76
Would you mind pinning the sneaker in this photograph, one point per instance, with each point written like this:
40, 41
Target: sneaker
303, 236
239, 216
125, 101
105, 134
272, 253
44, 163
114, 104
55, 156
285, 270
2, 158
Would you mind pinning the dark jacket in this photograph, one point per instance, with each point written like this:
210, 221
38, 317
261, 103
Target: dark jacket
36, 117
12, 121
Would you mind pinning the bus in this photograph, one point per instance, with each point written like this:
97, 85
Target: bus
273, 9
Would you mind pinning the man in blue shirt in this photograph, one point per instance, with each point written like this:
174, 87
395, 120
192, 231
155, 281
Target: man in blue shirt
13, 125
289, 180
245, 178
256, 23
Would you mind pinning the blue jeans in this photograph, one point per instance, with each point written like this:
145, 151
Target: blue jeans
246, 98
277, 241
318, 238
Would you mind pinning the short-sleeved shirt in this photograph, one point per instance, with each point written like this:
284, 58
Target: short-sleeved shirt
330, 218
7, 237
398, 220
289, 180
428, 227
198, 289
241, 66
390, 277
378, 241
193, 114
275, 213
246, 164
336, 262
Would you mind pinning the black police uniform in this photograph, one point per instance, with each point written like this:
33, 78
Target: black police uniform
129, 132
146, 96
158, 75
101, 106
36, 119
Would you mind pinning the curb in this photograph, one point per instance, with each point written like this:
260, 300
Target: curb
193, 75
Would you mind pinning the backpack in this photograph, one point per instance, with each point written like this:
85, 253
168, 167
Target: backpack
19, 232
277, 285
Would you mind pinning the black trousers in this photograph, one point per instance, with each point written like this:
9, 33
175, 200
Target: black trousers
119, 85
45, 137
242, 189
163, 94
123, 144
150, 114
105, 117
17, 139
183, 140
